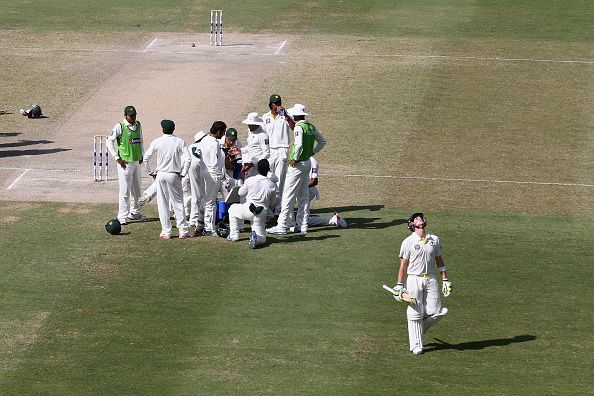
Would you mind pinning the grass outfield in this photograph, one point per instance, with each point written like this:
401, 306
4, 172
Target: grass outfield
86, 312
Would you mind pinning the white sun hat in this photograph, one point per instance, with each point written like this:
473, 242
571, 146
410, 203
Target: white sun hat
253, 119
297, 110
199, 136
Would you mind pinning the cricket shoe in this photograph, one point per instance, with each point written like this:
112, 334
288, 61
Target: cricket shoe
417, 350
338, 221
137, 217
253, 240
165, 236
186, 235
211, 233
277, 230
233, 238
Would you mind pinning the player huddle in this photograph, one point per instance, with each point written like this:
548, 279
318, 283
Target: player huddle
266, 177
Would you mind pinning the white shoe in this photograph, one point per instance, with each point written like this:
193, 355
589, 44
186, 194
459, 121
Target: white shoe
417, 350
144, 200
277, 230
338, 221
253, 240
291, 229
186, 235
303, 232
137, 217
233, 238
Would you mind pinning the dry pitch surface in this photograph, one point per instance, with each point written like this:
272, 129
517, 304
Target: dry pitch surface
51, 159
496, 124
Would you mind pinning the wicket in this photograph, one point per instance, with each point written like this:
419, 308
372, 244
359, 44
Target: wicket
101, 142
216, 27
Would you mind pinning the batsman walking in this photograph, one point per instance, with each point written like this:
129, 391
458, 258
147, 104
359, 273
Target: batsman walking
420, 254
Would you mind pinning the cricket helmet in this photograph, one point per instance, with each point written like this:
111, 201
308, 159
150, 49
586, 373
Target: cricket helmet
412, 218
222, 230
35, 112
113, 227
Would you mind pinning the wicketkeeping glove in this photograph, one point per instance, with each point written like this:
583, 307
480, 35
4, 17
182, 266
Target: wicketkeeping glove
446, 287
399, 289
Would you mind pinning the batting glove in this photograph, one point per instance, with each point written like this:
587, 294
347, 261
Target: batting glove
446, 287
399, 289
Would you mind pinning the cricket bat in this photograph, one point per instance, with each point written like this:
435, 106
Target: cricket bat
404, 296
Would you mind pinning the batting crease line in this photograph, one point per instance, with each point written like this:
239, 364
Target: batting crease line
281, 47
463, 180
494, 58
150, 45
332, 175
17, 179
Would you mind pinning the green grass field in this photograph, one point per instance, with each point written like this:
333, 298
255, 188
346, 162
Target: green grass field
87, 313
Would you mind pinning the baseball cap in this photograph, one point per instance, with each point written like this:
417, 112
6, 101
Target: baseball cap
130, 111
275, 98
231, 134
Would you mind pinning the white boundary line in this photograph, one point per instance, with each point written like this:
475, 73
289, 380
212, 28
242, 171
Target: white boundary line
17, 179
463, 180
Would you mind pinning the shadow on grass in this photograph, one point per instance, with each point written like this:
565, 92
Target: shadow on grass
291, 238
477, 345
369, 223
340, 209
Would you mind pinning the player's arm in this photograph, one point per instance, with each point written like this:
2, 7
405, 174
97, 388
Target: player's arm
147, 158
402, 271
313, 182
320, 142
112, 146
297, 145
441, 267
265, 146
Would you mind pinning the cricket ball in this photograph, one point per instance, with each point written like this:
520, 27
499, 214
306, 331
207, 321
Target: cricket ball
193, 44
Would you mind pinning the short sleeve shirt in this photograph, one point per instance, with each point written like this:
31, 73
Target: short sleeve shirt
420, 253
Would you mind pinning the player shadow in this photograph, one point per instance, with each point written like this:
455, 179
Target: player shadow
291, 238
23, 143
18, 153
369, 223
477, 345
9, 134
340, 209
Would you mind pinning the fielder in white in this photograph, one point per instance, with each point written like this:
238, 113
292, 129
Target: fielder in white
308, 142
196, 183
125, 144
212, 168
169, 170
314, 194
420, 254
278, 128
256, 148
260, 193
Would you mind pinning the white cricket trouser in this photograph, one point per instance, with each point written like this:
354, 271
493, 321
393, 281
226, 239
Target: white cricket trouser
129, 180
296, 189
239, 212
197, 191
426, 290
415, 334
212, 184
187, 193
170, 194
278, 165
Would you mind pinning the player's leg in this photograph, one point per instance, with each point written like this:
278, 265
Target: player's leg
177, 202
149, 194
414, 314
124, 180
259, 227
434, 311
237, 213
135, 191
288, 198
211, 188
301, 220
163, 205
